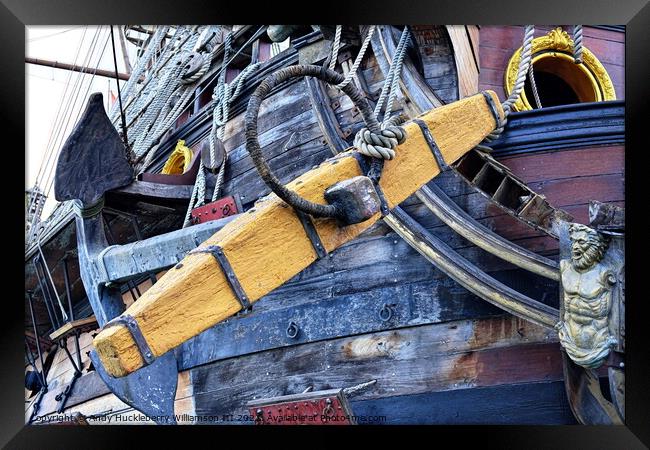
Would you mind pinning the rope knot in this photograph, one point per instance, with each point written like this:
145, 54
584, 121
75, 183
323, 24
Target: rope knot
380, 145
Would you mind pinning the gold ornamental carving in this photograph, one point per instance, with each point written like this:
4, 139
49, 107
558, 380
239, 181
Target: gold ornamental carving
590, 78
179, 160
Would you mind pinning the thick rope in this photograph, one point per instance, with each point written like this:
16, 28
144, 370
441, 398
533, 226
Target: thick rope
382, 145
221, 123
140, 67
357, 61
222, 98
253, 145
391, 82
577, 44
143, 98
335, 46
522, 71
353, 390
158, 122
533, 85
524, 62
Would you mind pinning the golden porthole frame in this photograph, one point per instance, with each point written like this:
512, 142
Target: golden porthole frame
589, 80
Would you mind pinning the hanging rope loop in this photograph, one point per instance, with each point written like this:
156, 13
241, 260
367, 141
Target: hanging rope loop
253, 145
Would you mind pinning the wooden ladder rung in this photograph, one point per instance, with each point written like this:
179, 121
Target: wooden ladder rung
69, 327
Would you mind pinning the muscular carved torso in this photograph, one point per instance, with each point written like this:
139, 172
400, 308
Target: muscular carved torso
587, 302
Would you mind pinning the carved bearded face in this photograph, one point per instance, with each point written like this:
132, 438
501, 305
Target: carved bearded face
587, 246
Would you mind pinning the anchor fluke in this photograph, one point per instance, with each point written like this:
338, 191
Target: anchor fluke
150, 390
93, 159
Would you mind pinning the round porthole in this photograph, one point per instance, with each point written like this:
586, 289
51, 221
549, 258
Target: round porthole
558, 79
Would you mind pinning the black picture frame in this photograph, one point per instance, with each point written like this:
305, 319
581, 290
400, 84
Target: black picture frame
635, 14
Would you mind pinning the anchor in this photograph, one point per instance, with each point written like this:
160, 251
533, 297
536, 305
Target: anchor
93, 161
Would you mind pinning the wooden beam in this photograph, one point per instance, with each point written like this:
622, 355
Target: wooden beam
267, 245
466, 65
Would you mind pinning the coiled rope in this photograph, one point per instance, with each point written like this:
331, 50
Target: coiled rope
382, 145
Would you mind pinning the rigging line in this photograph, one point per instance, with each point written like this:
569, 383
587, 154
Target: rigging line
85, 96
80, 108
66, 109
72, 103
62, 125
67, 83
49, 149
38, 38
119, 94
66, 99
46, 78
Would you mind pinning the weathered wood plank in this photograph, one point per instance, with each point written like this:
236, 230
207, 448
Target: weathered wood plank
331, 317
156, 190
474, 36
590, 161
442, 357
518, 404
250, 186
196, 295
466, 65
439, 68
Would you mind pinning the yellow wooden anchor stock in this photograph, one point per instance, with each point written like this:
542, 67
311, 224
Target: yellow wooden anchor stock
267, 245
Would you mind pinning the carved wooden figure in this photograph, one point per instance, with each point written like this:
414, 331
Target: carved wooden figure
588, 282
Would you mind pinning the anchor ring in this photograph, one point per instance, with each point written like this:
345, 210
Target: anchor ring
328, 410
292, 330
385, 313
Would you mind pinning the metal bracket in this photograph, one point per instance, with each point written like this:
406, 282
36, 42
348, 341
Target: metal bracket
232, 279
493, 108
383, 204
132, 325
432, 145
312, 233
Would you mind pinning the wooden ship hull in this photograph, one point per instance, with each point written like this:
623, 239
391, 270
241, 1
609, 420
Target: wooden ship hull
374, 310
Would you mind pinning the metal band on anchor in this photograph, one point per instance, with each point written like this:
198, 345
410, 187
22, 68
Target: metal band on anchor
312, 233
432, 145
132, 325
383, 204
493, 108
232, 279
